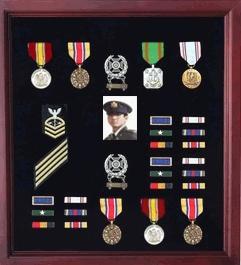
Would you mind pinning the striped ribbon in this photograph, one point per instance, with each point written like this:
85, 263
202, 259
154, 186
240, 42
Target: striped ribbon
160, 161
161, 145
161, 173
42, 212
75, 199
79, 51
50, 163
43, 200
193, 119
193, 132
193, 160
192, 207
111, 207
152, 52
75, 225
154, 208
161, 186
40, 52
160, 120
193, 145
190, 51
75, 212
193, 173
193, 186
160, 133
43, 225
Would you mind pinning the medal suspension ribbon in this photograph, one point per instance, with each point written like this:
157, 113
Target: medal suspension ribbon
192, 207
190, 51
79, 51
153, 208
152, 52
111, 207
40, 52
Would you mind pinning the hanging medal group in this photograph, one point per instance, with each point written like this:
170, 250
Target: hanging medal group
116, 66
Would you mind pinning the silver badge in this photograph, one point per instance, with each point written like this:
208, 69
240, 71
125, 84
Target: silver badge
116, 68
41, 78
154, 234
116, 167
153, 78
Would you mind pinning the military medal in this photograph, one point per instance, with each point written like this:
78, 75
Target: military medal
79, 52
116, 68
192, 207
111, 208
41, 53
154, 209
152, 52
191, 53
116, 167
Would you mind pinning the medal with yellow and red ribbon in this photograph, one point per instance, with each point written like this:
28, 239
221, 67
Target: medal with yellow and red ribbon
111, 208
191, 52
79, 52
41, 53
154, 209
192, 208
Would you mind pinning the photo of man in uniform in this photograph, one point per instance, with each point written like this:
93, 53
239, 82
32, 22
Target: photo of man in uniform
117, 117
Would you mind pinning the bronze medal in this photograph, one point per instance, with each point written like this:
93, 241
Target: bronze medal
191, 78
192, 234
80, 78
111, 234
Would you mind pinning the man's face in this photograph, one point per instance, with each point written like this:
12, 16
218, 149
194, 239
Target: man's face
117, 120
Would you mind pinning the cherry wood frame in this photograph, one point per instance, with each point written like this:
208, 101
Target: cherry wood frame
230, 10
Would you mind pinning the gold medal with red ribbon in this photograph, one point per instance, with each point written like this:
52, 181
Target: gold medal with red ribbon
41, 53
154, 209
111, 208
79, 52
192, 208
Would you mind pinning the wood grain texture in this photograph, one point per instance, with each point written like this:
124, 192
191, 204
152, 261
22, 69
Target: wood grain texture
231, 11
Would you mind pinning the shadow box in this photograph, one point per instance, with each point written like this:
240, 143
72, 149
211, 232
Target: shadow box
120, 132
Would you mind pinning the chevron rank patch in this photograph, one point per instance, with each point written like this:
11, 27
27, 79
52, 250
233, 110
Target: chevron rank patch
193, 186
193, 119
160, 133
193, 145
50, 163
193, 132
42, 212
75, 212
75, 225
160, 120
160, 161
161, 173
43, 225
193, 173
193, 160
53, 120
161, 145
161, 186
43, 200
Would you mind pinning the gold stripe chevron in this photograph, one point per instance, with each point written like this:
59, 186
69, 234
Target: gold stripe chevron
51, 162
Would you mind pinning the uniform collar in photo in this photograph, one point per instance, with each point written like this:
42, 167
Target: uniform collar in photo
117, 132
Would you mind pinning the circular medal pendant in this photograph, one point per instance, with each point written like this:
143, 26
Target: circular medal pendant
41, 78
80, 78
111, 234
154, 234
192, 234
191, 78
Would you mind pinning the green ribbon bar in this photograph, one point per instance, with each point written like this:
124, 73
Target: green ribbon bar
160, 132
152, 52
42, 212
161, 173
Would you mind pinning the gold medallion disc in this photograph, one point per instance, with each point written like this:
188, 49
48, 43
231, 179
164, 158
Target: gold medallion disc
111, 234
80, 78
191, 78
192, 234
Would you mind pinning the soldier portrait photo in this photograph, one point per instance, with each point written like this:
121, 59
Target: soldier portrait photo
118, 124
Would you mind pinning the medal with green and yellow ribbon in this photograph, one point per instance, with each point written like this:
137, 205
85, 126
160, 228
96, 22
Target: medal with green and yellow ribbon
152, 53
